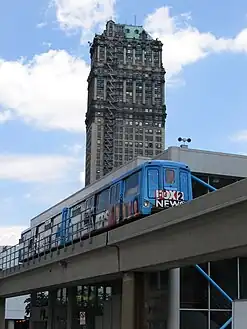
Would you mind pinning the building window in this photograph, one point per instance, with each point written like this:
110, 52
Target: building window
194, 288
201, 303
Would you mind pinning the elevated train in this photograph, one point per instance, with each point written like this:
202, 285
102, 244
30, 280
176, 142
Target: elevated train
150, 187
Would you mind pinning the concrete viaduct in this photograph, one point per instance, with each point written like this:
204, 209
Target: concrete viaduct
211, 227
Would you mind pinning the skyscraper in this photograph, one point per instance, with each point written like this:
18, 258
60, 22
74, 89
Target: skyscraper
126, 111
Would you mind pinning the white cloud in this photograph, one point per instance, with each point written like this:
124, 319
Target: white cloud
5, 116
240, 136
85, 15
185, 44
50, 91
31, 168
75, 149
41, 25
10, 235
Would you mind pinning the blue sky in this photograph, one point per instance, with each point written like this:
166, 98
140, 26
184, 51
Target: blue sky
43, 90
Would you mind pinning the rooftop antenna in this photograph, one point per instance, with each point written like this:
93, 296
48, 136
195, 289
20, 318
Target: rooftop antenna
135, 20
184, 140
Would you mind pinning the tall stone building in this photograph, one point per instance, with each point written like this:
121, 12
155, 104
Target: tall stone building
126, 109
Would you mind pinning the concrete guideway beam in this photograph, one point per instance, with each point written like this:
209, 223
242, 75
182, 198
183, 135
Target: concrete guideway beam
213, 236
207, 204
102, 264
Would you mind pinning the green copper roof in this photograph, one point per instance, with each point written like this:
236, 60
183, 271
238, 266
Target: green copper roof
132, 32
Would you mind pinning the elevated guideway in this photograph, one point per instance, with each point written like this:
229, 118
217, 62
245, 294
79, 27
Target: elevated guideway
211, 227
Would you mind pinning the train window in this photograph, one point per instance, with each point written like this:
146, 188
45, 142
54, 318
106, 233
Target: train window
114, 195
153, 182
89, 203
132, 184
102, 200
117, 192
77, 209
169, 176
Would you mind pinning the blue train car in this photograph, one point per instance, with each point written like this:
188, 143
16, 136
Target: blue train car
153, 186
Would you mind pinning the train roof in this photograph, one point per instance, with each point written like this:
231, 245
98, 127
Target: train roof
78, 196
152, 162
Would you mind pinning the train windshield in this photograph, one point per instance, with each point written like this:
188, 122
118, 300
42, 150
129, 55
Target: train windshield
170, 177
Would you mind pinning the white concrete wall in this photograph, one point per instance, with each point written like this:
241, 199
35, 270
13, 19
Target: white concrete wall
208, 162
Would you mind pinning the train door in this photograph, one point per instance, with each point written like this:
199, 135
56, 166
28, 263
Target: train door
115, 205
185, 185
131, 195
153, 182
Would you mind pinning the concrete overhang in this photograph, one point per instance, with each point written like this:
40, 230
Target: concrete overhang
210, 227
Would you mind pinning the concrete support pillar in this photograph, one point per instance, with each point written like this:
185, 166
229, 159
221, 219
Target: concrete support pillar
51, 308
33, 298
72, 308
132, 301
11, 324
174, 299
2, 312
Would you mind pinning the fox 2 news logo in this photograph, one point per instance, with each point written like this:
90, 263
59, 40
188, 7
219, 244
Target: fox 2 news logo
166, 199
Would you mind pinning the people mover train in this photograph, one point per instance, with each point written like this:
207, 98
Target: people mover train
150, 187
